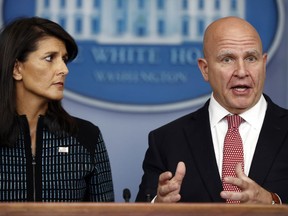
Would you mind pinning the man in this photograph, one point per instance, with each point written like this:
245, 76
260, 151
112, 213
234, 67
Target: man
191, 147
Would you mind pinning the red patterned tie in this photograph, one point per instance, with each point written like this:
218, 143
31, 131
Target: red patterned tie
232, 153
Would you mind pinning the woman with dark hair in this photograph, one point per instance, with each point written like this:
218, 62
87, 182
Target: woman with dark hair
45, 154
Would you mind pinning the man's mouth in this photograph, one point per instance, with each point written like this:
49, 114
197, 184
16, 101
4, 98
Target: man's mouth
241, 88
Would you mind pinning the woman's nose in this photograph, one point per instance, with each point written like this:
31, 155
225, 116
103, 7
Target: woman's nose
63, 69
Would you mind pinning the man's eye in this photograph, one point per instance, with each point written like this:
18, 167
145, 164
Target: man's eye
251, 59
227, 60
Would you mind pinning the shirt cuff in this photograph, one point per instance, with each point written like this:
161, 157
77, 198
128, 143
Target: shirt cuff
153, 200
276, 200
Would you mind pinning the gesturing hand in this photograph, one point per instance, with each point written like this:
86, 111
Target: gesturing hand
168, 187
251, 192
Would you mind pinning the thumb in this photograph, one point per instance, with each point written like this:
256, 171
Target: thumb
180, 172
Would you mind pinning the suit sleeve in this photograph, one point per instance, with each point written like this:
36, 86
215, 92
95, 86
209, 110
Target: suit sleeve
152, 166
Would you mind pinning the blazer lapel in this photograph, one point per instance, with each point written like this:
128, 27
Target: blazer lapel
199, 137
274, 129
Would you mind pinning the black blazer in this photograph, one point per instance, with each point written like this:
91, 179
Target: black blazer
189, 139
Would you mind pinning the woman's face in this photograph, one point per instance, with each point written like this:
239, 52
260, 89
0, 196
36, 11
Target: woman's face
42, 75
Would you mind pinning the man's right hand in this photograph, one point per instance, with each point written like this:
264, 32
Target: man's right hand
169, 186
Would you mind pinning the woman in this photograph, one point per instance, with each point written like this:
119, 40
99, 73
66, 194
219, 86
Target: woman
45, 154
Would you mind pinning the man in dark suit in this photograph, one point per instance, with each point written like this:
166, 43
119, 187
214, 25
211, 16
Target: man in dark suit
191, 147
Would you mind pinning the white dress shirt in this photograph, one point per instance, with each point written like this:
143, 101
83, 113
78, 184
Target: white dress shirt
249, 130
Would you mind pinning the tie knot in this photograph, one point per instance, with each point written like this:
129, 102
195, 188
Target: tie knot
233, 121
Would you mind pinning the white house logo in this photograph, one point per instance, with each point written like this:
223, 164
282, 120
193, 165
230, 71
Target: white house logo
141, 55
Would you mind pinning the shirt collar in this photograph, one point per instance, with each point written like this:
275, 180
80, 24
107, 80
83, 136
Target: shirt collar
253, 116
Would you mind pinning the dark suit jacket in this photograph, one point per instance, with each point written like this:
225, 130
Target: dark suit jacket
189, 139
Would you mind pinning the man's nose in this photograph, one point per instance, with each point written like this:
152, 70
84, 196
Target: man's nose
241, 69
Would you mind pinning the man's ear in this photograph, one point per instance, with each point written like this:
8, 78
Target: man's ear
203, 66
17, 71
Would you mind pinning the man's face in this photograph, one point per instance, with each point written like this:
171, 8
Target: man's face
234, 66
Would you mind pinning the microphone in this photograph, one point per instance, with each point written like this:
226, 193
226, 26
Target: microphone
126, 194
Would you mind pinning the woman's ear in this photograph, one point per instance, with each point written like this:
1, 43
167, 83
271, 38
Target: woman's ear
17, 71
203, 66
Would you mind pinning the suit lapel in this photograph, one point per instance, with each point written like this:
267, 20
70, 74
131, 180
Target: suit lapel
274, 129
198, 134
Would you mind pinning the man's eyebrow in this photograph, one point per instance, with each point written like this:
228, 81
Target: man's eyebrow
229, 52
253, 52
224, 53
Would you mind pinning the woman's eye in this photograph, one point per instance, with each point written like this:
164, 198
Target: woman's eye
48, 58
65, 59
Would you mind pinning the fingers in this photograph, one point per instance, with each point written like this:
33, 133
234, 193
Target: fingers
179, 175
231, 195
239, 171
251, 192
180, 172
164, 177
237, 181
168, 187
240, 179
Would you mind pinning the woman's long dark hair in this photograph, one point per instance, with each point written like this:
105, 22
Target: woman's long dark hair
17, 40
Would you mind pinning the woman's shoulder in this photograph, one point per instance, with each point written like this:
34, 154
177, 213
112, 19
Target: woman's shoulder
88, 133
84, 124
86, 129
